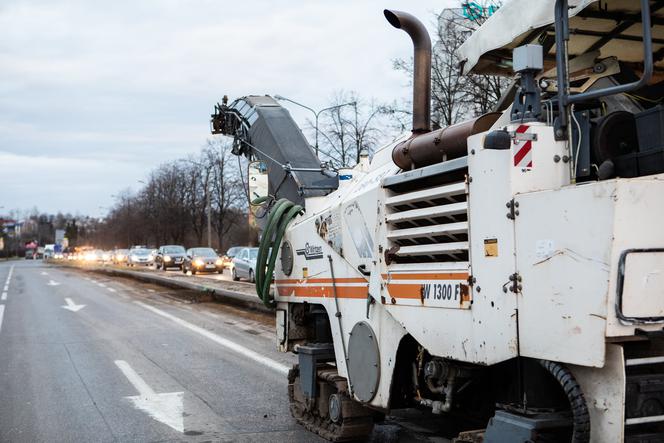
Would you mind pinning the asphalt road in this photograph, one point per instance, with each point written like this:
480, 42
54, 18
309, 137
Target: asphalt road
85, 357
131, 365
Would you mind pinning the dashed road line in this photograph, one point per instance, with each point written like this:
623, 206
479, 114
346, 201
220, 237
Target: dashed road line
4, 296
2, 313
111, 289
228, 344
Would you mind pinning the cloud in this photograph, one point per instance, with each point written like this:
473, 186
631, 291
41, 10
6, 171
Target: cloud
131, 84
64, 184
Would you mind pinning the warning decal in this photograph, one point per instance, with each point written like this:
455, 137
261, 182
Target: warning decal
523, 149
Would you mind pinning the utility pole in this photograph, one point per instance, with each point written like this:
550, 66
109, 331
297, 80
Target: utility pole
209, 217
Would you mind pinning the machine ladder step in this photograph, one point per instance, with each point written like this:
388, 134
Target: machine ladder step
644, 420
427, 194
644, 361
429, 231
435, 249
429, 213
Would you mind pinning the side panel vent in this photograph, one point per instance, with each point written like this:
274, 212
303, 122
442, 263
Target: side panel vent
429, 225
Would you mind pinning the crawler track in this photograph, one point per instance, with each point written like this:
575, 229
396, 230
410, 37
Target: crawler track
356, 421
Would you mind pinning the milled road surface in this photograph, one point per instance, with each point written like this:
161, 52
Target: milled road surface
85, 357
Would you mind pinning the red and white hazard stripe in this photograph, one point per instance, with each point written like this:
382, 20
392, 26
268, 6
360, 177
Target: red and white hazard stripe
523, 150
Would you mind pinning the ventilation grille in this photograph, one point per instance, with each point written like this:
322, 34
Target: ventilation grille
429, 225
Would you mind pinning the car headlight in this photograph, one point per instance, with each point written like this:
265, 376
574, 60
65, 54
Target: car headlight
219, 262
121, 257
167, 258
199, 262
134, 257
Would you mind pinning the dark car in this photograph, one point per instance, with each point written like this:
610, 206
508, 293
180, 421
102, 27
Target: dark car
202, 260
170, 256
227, 259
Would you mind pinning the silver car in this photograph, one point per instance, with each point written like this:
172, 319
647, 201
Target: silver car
244, 264
140, 256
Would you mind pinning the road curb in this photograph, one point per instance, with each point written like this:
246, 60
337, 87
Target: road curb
218, 294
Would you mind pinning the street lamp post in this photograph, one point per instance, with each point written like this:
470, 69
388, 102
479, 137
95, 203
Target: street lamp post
315, 113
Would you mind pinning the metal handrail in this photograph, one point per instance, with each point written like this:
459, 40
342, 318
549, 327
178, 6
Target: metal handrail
562, 39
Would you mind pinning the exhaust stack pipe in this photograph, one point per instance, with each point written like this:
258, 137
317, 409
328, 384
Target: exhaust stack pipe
424, 147
422, 69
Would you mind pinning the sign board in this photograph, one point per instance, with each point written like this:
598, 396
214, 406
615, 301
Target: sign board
478, 11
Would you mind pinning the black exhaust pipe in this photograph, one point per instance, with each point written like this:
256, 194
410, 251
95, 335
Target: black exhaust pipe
422, 69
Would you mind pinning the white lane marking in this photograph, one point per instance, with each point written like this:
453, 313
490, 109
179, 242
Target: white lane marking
2, 313
4, 296
53, 283
71, 306
101, 285
111, 289
252, 355
6, 288
167, 408
44, 273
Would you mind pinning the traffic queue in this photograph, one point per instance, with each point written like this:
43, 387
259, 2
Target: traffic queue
240, 261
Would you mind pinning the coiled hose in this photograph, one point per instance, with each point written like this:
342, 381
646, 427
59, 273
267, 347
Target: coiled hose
577, 402
280, 215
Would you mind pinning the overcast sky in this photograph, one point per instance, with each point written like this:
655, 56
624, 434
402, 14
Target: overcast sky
94, 94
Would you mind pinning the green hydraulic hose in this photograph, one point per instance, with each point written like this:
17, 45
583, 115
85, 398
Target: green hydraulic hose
281, 214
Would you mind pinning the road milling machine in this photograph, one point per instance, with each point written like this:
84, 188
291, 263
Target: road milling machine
504, 274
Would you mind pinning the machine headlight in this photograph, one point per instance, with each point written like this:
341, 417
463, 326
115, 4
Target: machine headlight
199, 262
167, 258
219, 262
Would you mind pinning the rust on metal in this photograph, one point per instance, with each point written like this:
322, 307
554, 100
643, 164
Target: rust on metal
440, 145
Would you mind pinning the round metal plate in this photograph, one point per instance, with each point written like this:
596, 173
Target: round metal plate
286, 258
363, 362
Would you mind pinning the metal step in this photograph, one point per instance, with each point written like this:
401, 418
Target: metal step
429, 213
643, 420
644, 361
427, 173
435, 249
429, 231
427, 194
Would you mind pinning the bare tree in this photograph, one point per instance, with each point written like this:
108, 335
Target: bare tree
456, 97
346, 131
227, 190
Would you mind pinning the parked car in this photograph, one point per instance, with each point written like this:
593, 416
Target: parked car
244, 264
202, 260
140, 256
170, 256
227, 259
120, 256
